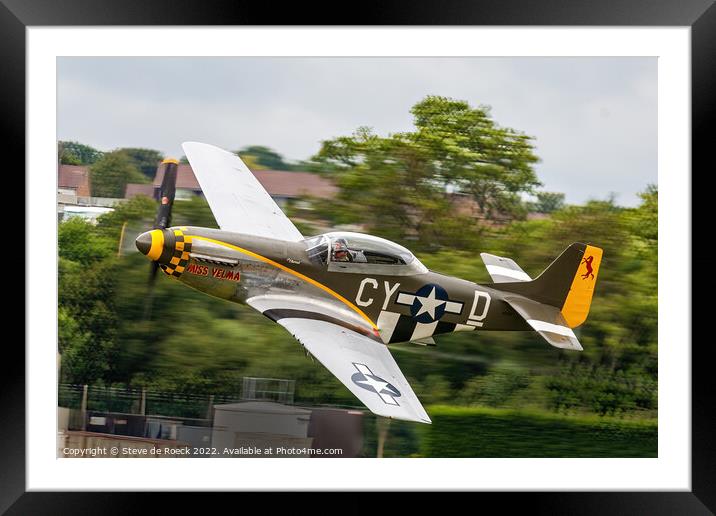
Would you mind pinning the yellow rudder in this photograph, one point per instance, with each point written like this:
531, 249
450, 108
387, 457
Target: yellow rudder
579, 299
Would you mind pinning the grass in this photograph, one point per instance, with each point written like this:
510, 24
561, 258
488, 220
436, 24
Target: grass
487, 432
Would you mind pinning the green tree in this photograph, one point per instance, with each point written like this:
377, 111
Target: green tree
194, 212
399, 185
88, 322
251, 162
469, 150
69, 333
86, 318
109, 175
495, 388
644, 219
264, 157
146, 160
75, 153
79, 242
548, 202
138, 211
68, 158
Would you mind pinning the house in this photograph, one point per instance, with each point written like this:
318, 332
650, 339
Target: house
73, 180
284, 186
280, 184
135, 189
74, 196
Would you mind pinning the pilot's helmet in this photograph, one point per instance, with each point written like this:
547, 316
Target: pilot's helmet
340, 248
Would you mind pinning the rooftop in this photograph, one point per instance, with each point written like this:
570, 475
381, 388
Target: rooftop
75, 177
278, 183
134, 189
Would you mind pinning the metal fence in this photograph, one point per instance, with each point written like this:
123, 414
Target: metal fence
128, 400
274, 389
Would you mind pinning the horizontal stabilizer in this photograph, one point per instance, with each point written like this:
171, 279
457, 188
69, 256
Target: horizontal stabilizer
546, 320
503, 270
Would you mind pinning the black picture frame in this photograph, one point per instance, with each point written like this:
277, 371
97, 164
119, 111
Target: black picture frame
700, 15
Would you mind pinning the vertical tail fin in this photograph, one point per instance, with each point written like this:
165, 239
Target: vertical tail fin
579, 299
567, 284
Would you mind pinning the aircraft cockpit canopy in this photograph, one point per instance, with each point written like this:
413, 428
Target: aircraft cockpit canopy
355, 252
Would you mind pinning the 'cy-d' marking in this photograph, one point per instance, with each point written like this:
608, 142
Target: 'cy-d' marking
389, 291
475, 318
294, 273
429, 303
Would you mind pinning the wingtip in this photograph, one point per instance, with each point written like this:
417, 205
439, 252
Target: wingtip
421, 416
415, 418
187, 147
184, 145
198, 144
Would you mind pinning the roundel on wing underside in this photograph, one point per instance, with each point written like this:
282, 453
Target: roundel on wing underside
375, 384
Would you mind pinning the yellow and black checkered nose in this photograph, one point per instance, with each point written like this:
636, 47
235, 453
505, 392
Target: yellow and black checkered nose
179, 255
170, 248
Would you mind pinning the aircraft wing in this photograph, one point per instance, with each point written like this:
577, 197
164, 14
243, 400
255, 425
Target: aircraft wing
237, 199
362, 364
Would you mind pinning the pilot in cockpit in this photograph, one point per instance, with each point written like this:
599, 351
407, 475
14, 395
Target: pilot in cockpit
341, 253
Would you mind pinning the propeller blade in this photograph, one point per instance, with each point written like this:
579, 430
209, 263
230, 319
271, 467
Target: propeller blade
149, 300
166, 194
162, 221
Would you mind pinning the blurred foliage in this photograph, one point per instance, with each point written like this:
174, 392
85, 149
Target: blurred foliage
75, 153
145, 160
525, 396
258, 157
110, 174
484, 432
547, 202
496, 388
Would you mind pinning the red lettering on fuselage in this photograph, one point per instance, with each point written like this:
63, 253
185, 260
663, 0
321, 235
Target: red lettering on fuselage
223, 274
199, 270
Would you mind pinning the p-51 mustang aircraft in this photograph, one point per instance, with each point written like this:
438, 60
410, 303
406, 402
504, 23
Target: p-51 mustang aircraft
346, 296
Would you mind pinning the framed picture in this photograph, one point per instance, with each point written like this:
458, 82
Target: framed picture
532, 125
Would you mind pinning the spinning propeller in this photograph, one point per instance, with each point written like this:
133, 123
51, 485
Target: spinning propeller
147, 242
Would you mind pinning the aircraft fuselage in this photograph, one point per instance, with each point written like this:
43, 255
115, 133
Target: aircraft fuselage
398, 306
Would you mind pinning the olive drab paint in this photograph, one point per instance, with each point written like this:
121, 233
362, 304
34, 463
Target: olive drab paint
401, 308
